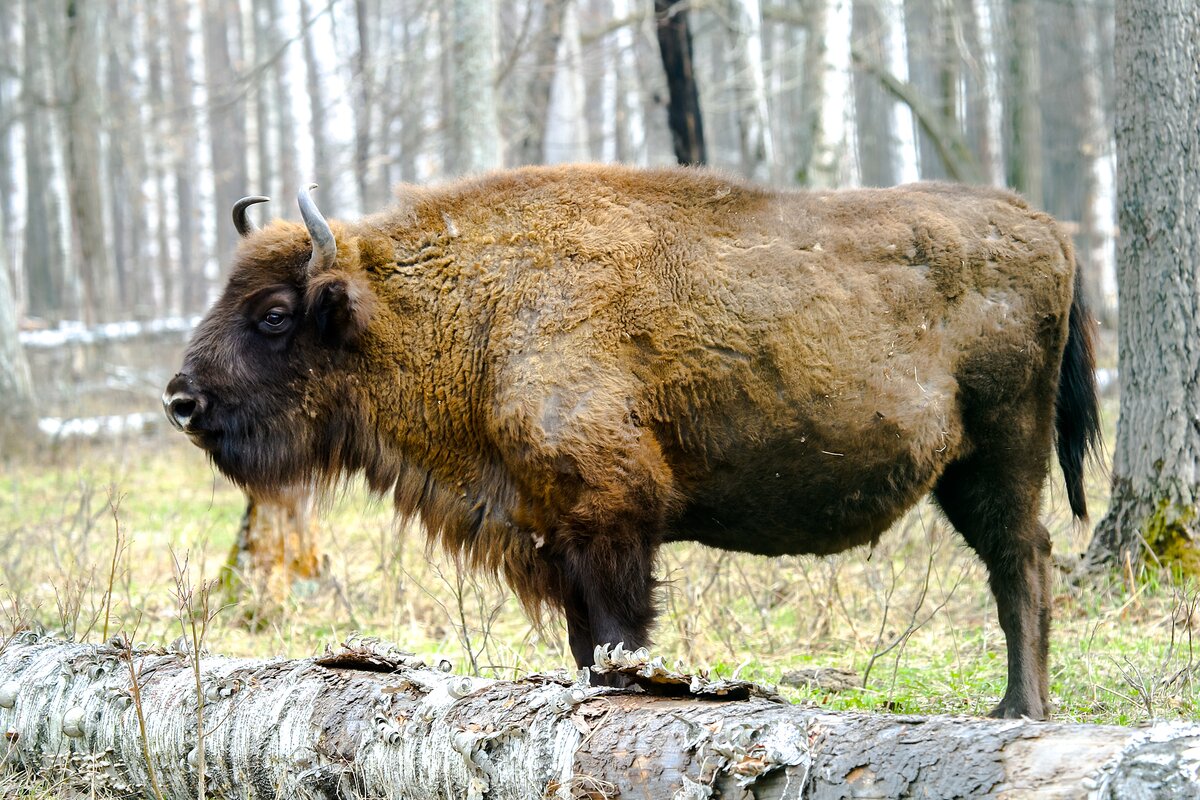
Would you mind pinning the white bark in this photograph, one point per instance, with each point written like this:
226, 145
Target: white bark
476, 135
986, 14
749, 88
566, 137
904, 143
374, 722
16, 386
834, 160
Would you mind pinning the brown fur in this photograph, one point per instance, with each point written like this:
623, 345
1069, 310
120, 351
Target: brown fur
558, 369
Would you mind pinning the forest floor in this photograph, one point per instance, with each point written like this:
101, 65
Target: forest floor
92, 536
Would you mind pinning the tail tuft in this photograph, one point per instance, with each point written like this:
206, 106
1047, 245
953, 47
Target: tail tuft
1077, 409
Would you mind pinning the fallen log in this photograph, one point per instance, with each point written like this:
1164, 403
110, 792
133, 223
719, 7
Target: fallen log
369, 721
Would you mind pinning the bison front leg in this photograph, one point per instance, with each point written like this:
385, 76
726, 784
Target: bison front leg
610, 592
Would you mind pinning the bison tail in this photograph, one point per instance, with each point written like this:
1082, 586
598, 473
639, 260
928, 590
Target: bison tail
1077, 408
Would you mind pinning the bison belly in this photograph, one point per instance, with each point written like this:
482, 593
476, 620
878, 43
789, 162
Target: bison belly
818, 488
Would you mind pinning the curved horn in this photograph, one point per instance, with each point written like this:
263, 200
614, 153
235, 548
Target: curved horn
244, 226
324, 252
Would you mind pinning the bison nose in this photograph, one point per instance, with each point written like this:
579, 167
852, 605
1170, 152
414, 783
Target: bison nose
182, 402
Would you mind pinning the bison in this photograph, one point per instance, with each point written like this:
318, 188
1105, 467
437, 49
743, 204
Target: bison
560, 369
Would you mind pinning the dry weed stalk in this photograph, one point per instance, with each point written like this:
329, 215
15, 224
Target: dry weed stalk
195, 613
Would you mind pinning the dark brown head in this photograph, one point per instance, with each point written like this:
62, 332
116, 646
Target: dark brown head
267, 386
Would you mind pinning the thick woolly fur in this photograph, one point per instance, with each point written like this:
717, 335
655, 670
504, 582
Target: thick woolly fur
558, 369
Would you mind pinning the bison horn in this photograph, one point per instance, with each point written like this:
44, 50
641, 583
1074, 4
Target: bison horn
324, 252
244, 226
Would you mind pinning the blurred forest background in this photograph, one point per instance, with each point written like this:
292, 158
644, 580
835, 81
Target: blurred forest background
129, 127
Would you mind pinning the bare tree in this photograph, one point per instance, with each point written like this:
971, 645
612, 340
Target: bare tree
45, 255
1155, 508
755, 138
16, 388
126, 163
475, 135
683, 105
1023, 117
318, 126
226, 118
184, 155
565, 134
82, 142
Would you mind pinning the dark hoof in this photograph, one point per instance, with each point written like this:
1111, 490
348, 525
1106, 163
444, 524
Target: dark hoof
1010, 709
613, 680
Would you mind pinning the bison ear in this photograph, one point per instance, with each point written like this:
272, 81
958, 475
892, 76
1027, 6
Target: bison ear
340, 305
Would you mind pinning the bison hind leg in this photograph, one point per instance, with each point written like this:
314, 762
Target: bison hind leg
994, 505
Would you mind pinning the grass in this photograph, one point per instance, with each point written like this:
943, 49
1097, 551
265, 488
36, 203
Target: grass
914, 611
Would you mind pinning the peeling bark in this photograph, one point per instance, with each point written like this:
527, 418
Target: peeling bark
276, 547
371, 721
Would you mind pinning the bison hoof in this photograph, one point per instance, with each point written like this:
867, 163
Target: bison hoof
614, 680
1016, 709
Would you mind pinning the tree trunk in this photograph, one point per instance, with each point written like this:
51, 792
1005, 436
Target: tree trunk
275, 550
1098, 236
319, 130
365, 21
1156, 465
750, 92
286, 151
18, 419
1023, 155
565, 135
371, 721
683, 105
184, 160
83, 159
226, 123
169, 299
873, 104
45, 256
835, 162
629, 123
10, 102
475, 135
530, 145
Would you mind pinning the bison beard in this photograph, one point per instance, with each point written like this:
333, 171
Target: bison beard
559, 369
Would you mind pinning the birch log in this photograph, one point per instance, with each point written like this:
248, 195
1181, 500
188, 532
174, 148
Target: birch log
369, 721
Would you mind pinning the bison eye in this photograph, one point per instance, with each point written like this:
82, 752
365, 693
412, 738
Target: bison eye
275, 321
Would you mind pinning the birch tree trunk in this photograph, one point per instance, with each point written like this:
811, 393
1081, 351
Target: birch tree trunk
476, 129
82, 142
226, 121
323, 163
750, 93
371, 721
1156, 465
16, 387
1023, 155
835, 161
168, 295
566, 136
45, 256
184, 156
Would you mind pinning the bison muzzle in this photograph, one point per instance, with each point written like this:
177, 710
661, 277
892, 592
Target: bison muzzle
560, 369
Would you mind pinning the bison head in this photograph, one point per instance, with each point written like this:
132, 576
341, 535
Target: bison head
266, 387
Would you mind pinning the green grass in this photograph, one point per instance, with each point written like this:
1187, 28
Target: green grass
1116, 657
